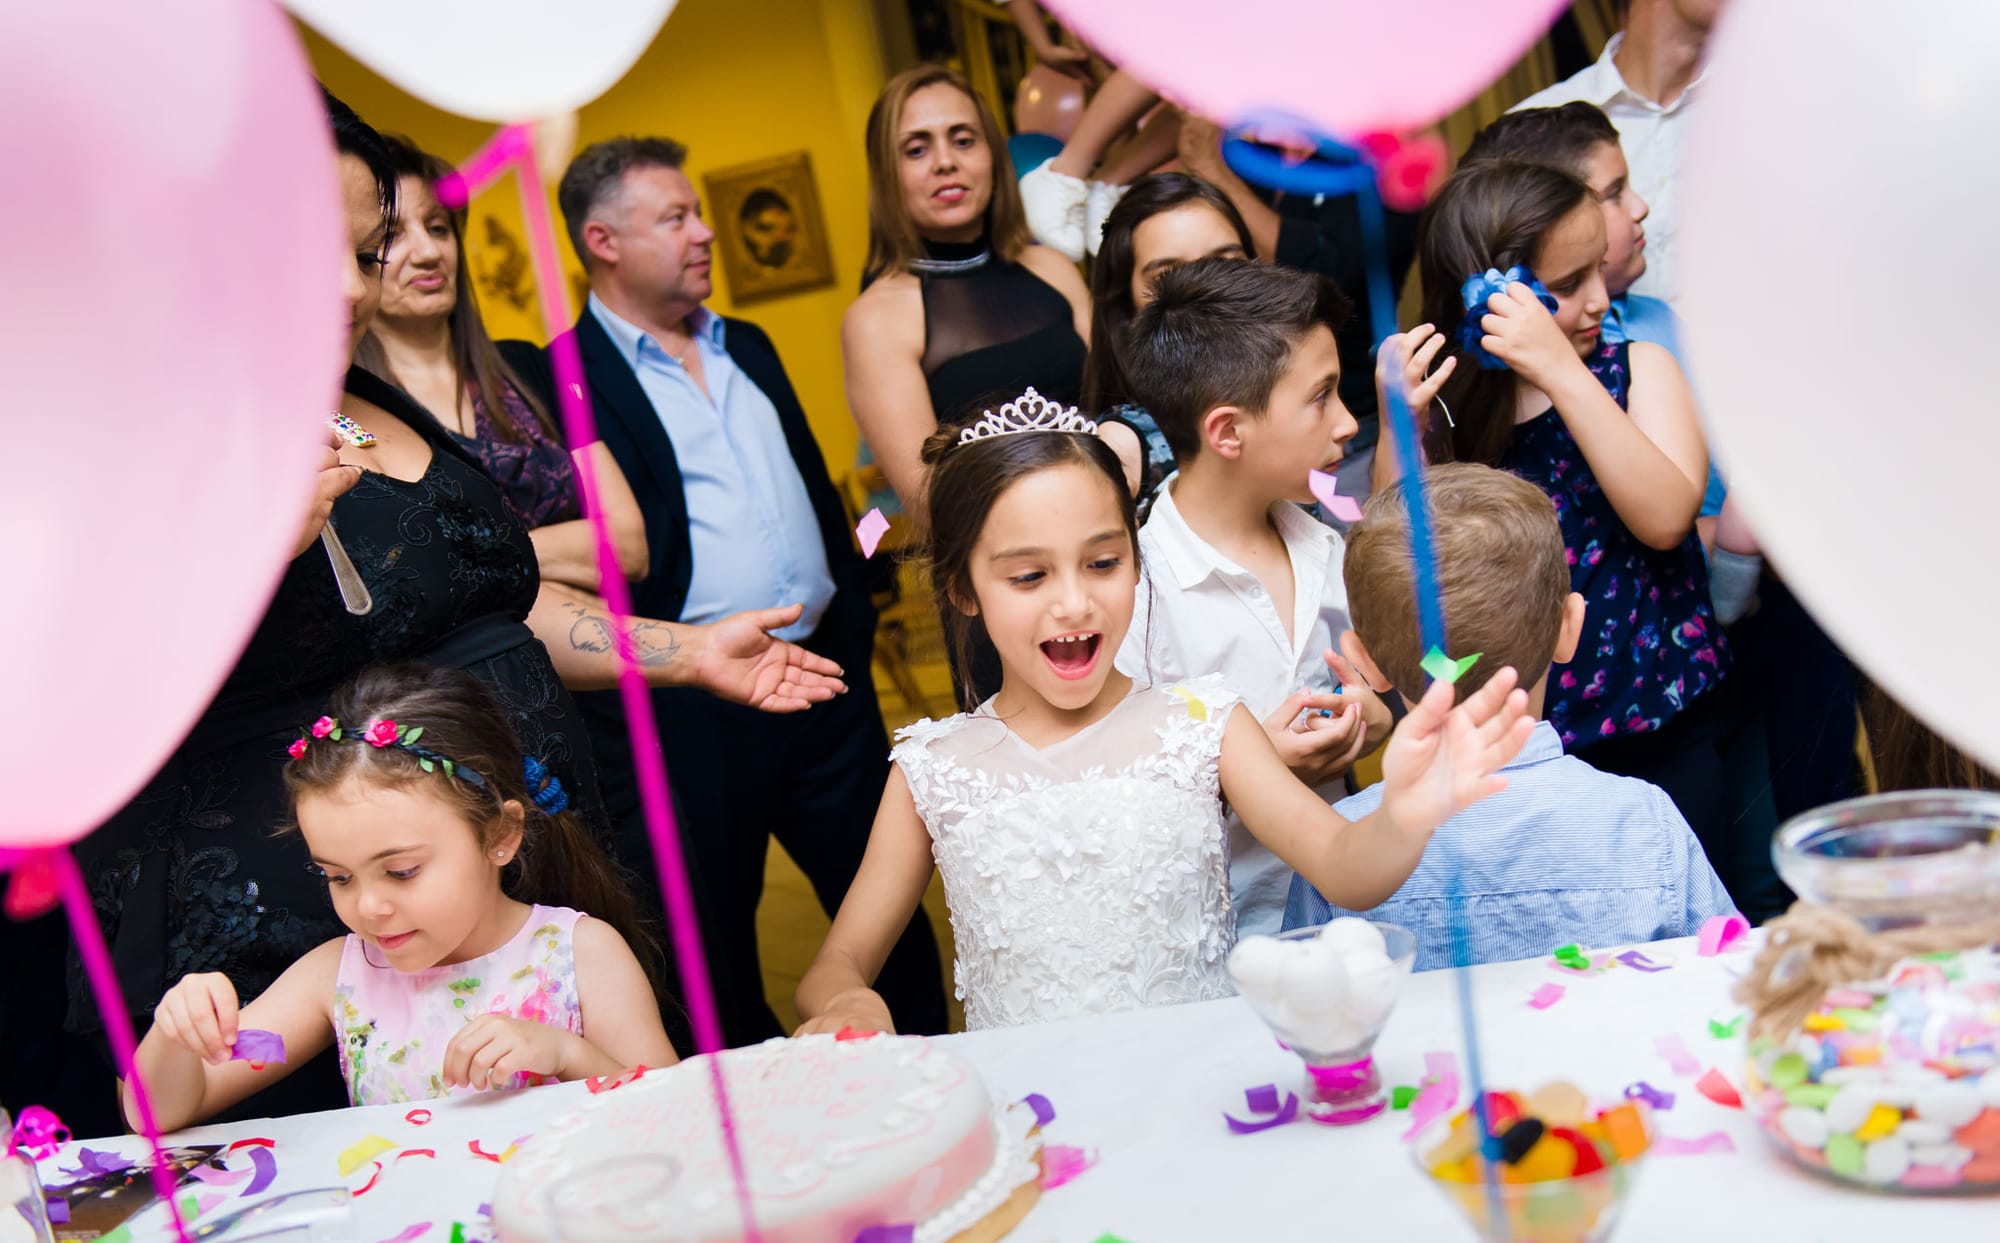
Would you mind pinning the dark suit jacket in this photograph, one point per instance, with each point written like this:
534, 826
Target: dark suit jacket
638, 440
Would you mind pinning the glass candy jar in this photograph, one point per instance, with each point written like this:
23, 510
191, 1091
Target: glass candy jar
1874, 1049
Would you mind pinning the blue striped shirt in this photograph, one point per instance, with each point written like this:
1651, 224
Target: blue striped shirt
1564, 854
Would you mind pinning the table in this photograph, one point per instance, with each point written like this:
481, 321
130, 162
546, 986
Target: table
1147, 1089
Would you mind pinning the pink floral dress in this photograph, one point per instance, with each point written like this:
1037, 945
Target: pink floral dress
391, 1026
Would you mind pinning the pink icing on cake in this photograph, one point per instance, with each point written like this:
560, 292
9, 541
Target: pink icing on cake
836, 1136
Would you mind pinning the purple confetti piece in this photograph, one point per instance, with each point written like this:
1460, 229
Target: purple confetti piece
266, 1167
1643, 1091
90, 1161
1045, 1113
887, 1234
1675, 1050
1639, 962
1255, 1097
486, 1210
58, 1211
255, 1045
1714, 1141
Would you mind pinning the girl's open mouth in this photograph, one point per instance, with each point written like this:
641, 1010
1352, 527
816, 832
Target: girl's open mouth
1073, 655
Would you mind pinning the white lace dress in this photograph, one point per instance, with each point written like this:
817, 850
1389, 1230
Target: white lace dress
1091, 875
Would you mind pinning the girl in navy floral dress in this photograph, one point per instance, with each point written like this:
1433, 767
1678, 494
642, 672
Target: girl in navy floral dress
1610, 433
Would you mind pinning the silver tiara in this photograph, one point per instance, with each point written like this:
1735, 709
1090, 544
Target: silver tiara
1030, 412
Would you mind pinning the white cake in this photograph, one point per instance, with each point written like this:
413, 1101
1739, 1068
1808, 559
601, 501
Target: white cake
836, 1136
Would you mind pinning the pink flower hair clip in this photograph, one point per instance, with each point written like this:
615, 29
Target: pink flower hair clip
380, 734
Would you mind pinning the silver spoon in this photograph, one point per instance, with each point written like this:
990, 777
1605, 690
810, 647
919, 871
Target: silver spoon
353, 592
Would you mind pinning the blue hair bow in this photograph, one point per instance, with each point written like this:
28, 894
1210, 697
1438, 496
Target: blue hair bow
544, 785
1475, 292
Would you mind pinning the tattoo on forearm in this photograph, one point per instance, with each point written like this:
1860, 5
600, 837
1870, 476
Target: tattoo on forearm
652, 642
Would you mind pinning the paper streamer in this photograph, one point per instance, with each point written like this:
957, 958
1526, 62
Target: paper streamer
513, 146
1061, 1163
255, 1045
1546, 996
410, 1233
265, 1166
414, 1119
1264, 1100
1045, 1113
1639, 962
1675, 1050
1716, 1087
1722, 933
1714, 1141
1325, 490
871, 530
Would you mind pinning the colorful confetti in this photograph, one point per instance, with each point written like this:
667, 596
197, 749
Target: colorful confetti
1325, 490
1264, 1100
1061, 1163
872, 528
361, 1152
1444, 669
1722, 933
259, 1048
1546, 996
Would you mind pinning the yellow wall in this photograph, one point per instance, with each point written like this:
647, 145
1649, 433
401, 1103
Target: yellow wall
737, 82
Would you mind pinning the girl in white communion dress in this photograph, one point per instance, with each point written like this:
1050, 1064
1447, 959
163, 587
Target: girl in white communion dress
1078, 818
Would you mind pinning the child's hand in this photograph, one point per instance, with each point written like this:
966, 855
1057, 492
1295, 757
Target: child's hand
199, 1015
1521, 333
863, 1010
1375, 715
1445, 759
493, 1048
1320, 745
1072, 61
1412, 353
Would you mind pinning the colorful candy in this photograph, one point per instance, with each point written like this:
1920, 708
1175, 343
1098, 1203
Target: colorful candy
1895, 1083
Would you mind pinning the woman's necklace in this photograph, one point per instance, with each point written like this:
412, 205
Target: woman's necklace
950, 267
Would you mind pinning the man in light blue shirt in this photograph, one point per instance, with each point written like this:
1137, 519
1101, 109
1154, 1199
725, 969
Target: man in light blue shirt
1565, 853
740, 514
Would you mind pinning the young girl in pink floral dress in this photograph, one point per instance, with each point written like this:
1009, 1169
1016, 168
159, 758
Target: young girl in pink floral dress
445, 852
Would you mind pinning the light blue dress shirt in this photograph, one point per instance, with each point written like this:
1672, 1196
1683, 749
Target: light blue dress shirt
1564, 854
753, 537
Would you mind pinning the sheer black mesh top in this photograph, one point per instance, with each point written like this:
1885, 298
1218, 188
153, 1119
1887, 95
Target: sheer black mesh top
992, 331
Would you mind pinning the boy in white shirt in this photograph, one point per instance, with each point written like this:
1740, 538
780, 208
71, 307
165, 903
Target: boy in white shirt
1236, 362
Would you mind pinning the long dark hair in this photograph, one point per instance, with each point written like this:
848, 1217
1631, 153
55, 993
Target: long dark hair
893, 239
1105, 383
965, 482
1909, 755
1493, 214
475, 360
559, 863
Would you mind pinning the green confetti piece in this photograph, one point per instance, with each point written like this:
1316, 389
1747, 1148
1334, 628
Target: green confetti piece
1569, 951
1444, 668
1108, 1238
1725, 1031
189, 1209
457, 1232
1401, 1095
123, 1234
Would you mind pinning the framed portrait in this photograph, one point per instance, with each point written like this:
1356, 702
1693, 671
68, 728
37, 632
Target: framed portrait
768, 227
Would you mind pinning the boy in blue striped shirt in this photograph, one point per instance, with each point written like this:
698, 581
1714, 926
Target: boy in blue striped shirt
1565, 853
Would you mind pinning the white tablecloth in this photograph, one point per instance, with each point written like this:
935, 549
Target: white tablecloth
1147, 1089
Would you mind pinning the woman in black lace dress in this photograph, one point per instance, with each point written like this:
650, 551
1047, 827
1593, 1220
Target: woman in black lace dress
192, 875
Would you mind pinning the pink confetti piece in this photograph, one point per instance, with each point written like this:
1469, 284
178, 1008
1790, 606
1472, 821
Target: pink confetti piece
410, 1233
1722, 933
1325, 490
1264, 1100
258, 1046
1438, 1094
1716, 1087
266, 1167
1672, 1146
887, 1234
1546, 996
1045, 1113
1643, 1091
1061, 1163
215, 1176
1675, 1050
1639, 962
37, 1133
872, 528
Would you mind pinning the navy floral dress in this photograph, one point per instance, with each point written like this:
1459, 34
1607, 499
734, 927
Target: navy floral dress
537, 476
1651, 644
196, 874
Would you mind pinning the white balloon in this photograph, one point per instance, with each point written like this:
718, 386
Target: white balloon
1834, 188
496, 60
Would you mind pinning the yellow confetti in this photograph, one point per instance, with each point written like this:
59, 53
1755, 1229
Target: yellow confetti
362, 1152
1196, 708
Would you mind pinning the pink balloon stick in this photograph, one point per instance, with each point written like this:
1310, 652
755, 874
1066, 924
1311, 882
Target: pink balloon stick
117, 1024
512, 146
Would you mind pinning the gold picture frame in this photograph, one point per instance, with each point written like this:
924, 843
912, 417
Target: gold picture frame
768, 227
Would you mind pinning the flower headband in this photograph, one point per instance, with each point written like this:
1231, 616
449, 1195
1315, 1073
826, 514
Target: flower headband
546, 789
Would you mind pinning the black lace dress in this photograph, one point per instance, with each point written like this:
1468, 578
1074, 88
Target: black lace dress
193, 875
991, 329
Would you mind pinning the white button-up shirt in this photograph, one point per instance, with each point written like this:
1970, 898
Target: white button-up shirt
1651, 135
1198, 612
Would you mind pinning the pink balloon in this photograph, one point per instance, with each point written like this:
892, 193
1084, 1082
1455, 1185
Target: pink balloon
1048, 103
173, 334
1347, 66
